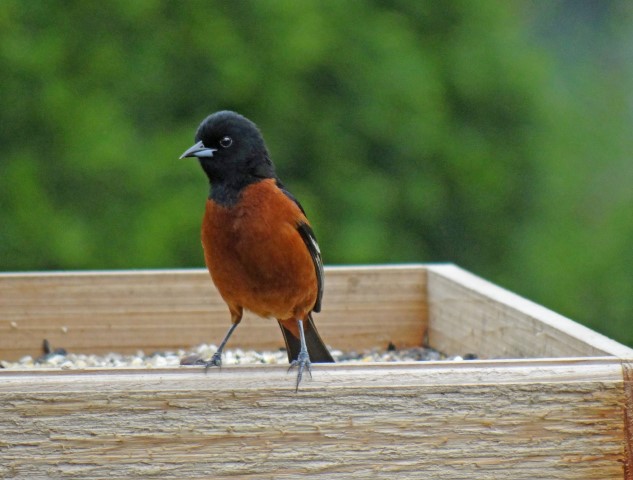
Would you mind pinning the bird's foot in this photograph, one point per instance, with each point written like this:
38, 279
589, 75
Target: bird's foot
302, 362
216, 361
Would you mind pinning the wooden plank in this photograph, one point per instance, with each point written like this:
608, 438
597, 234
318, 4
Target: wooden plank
627, 370
124, 311
507, 419
467, 313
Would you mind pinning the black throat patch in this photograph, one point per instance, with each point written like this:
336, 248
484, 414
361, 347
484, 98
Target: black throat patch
228, 194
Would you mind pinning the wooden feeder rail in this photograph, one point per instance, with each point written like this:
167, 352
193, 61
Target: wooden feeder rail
554, 400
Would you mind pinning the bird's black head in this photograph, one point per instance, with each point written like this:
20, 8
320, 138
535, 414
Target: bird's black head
232, 153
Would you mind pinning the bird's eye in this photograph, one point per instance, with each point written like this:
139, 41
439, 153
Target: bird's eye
226, 142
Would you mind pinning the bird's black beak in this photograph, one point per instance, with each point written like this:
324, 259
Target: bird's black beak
199, 150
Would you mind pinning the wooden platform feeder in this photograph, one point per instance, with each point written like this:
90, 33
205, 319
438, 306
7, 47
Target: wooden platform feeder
550, 399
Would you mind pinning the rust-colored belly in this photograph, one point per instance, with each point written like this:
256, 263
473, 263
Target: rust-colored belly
255, 255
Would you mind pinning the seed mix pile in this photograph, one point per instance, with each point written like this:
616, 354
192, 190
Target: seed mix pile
60, 358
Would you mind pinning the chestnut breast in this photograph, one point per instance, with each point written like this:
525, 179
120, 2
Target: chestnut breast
255, 255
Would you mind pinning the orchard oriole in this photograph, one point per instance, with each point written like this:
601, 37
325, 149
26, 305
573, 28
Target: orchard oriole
258, 245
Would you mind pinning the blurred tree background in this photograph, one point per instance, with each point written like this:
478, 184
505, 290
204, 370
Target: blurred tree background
492, 134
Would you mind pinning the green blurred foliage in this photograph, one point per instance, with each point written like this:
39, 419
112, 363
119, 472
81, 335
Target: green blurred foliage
469, 132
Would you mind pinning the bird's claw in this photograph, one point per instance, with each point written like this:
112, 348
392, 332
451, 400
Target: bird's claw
302, 362
216, 361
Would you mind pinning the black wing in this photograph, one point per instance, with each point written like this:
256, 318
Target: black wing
313, 247
310, 240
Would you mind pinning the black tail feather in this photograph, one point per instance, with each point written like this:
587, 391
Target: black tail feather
316, 348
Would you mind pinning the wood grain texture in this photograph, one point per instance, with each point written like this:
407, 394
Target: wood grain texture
627, 373
153, 310
467, 312
481, 420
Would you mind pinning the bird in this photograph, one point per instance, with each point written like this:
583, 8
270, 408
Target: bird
259, 247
